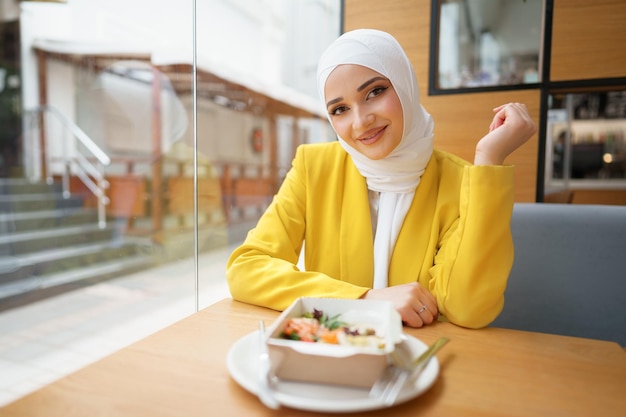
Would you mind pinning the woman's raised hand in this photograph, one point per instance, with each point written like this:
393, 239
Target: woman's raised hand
510, 128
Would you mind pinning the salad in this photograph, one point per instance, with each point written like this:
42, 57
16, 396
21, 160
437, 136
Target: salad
318, 327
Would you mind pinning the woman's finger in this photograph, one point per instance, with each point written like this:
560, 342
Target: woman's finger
412, 319
427, 314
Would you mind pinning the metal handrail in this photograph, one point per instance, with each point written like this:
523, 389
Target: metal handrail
92, 176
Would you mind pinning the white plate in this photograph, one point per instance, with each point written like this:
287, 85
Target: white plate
242, 363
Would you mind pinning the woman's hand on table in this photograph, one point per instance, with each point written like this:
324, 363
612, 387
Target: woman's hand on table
416, 305
510, 128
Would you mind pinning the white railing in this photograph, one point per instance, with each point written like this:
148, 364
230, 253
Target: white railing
74, 161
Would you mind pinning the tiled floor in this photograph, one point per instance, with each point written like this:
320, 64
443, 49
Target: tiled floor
44, 341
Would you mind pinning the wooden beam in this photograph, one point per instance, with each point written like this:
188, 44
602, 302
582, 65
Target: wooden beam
157, 180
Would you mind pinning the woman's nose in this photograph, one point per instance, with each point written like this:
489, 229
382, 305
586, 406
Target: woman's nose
362, 118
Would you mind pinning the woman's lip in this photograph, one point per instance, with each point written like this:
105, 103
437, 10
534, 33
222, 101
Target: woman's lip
371, 135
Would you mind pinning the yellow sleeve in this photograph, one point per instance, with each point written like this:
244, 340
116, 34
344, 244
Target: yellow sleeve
475, 254
263, 270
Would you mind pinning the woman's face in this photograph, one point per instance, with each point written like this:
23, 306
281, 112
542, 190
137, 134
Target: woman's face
364, 110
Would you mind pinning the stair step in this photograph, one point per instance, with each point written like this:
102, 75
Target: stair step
46, 219
37, 202
18, 267
38, 286
38, 240
18, 186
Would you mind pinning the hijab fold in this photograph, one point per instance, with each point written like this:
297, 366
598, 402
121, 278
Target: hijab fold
396, 176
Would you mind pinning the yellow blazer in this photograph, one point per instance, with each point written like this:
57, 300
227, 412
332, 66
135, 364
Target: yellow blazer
455, 239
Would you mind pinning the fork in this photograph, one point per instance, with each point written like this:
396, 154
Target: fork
388, 386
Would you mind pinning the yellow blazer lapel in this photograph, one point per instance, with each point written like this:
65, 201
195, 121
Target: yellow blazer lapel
356, 239
413, 241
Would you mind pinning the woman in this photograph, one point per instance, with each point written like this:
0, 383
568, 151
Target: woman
383, 215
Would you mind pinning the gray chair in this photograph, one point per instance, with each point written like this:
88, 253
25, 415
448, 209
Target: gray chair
569, 273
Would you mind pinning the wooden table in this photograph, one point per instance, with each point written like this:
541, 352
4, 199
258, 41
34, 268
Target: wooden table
181, 371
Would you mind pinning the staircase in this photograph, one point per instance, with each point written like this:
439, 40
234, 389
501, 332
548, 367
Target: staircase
50, 244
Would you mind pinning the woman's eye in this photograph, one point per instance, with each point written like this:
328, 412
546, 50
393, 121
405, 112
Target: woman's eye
338, 110
376, 92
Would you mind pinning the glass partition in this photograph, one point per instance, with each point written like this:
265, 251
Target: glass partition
141, 141
87, 263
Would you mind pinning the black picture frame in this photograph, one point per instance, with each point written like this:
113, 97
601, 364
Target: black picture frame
524, 59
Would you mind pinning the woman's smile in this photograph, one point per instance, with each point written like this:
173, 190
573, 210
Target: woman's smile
372, 135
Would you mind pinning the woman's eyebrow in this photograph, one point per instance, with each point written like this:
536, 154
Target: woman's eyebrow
333, 101
368, 82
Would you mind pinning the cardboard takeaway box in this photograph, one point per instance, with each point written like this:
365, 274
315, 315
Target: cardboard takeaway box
335, 364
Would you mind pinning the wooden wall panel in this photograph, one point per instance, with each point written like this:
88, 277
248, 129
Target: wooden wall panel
588, 39
460, 119
609, 197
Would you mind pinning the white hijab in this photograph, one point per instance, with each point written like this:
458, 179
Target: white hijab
397, 176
